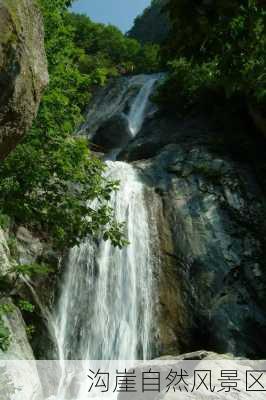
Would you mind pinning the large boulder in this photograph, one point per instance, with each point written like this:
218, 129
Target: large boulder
19, 374
112, 134
23, 69
198, 375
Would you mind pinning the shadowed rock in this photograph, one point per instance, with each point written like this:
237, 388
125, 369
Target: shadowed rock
114, 133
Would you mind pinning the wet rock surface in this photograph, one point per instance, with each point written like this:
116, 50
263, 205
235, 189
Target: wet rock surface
209, 206
114, 133
212, 207
23, 69
115, 99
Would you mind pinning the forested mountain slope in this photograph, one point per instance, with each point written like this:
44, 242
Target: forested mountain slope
152, 26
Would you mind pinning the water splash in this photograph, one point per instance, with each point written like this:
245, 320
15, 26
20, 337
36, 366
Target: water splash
105, 309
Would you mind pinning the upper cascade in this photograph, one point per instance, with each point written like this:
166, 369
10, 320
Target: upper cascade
118, 111
139, 106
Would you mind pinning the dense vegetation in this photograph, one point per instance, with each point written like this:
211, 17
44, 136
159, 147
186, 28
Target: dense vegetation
216, 49
152, 26
48, 180
106, 50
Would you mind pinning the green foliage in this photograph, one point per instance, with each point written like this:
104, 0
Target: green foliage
5, 309
188, 83
30, 330
148, 58
12, 245
8, 287
49, 180
25, 305
220, 44
4, 220
10, 278
106, 51
152, 26
4, 337
31, 269
8, 308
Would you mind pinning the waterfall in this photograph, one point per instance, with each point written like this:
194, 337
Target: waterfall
105, 308
128, 96
105, 311
137, 112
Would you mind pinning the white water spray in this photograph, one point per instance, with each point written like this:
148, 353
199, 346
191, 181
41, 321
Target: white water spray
105, 311
137, 112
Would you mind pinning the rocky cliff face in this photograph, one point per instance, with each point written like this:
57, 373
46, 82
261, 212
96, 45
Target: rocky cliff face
22, 248
212, 284
23, 69
209, 203
19, 347
188, 384
23, 76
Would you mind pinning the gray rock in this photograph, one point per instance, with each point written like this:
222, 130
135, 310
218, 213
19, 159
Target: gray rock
199, 355
211, 283
29, 247
209, 207
4, 253
109, 101
18, 363
200, 374
23, 69
112, 134
19, 348
39, 290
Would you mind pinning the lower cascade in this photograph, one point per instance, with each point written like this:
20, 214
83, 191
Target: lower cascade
105, 310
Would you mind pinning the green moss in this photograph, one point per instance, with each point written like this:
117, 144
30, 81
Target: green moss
4, 220
13, 246
10, 25
12, 6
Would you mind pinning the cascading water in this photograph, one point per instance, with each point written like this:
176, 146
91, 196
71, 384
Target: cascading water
120, 97
105, 311
138, 108
105, 307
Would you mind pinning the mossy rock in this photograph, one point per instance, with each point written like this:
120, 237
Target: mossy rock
23, 69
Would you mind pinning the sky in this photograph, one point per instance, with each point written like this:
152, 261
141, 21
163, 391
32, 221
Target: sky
116, 12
